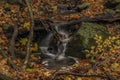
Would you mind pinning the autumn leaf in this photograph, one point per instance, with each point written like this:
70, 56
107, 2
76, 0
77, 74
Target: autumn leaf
114, 65
4, 61
23, 41
54, 8
27, 25
76, 65
47, 73
92, 59
79, 78
118, 42
29, 70
35, 47
67, 78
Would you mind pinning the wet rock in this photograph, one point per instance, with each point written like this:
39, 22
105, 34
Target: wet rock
84, 39
58, 64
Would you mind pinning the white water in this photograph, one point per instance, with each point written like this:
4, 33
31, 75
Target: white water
64, 40
53, 56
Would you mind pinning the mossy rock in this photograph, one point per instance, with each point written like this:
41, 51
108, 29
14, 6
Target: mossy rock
109, 11
84, 39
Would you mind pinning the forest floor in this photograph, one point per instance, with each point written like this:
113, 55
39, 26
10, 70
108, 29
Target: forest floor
87, 69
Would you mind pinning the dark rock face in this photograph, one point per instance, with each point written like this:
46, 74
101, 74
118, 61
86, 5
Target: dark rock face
113, 5
118, 8
84, 39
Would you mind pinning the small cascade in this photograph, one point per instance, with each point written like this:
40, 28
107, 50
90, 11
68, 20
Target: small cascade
45, 43
63, 41
54, 46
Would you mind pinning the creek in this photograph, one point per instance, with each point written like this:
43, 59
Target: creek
53, 47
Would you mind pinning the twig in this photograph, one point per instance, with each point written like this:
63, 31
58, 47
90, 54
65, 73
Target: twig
3, 52
15, 33
100, 18
12, 42
54, 74
5, 77
117, 59
30, 34
11, 63
104, 61
108, 75
79, 75
99, 63
8, 59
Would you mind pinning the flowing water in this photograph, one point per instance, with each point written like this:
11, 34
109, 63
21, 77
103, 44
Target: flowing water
54, 46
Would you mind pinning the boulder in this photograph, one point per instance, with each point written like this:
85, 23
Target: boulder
84, 38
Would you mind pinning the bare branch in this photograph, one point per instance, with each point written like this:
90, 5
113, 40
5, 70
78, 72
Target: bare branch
12, 42
2, 52
10, 62
14, 35
30, 34
80, 75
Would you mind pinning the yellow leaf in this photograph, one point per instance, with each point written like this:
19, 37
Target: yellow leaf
47, 74
67, 78
35, 47
79, 78
29, 70
90, 71
114, 65
118, 42
76, 65
27, 25
92, 59
23, 41
100, 37
54, 8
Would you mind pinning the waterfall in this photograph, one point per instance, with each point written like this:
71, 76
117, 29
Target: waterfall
63, 42
54, 46
45, 44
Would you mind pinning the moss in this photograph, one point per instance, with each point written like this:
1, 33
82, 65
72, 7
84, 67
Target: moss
84, 39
